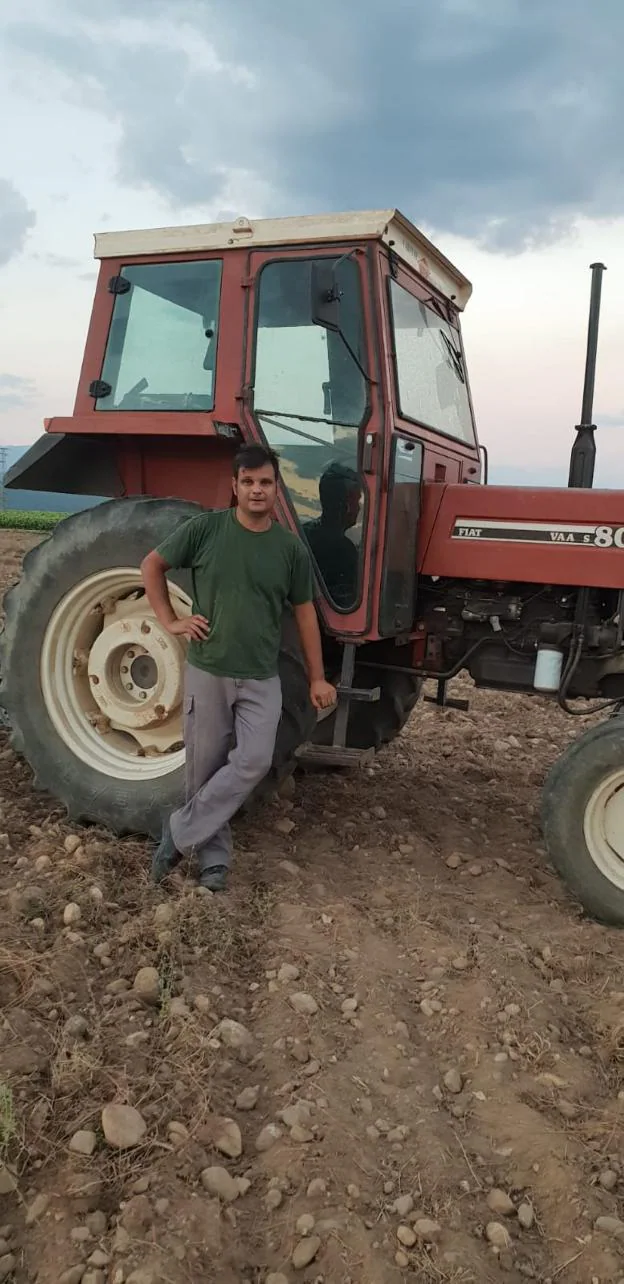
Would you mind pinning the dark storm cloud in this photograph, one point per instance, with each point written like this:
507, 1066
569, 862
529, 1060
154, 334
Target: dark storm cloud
497, 119
15, 220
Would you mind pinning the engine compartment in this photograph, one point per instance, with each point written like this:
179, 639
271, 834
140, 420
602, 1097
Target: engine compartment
495, 631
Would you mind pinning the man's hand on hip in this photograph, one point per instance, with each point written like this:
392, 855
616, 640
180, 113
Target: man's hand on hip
195, 628
322, 694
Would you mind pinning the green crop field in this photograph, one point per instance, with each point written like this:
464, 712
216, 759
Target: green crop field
22, 521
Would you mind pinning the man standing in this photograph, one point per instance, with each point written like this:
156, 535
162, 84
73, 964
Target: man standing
245, 568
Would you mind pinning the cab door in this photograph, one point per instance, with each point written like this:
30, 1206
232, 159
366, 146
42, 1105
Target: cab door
397, 604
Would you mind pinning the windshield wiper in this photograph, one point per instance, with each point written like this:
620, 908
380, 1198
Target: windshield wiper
455, 356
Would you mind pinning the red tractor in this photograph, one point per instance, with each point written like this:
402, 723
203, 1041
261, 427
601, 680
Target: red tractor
336, 339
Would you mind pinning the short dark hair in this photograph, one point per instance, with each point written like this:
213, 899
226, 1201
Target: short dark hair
255, 456
335, 484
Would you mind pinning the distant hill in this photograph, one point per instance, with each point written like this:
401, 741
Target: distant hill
42, 501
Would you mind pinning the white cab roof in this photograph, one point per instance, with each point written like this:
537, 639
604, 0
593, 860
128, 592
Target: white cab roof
388, 226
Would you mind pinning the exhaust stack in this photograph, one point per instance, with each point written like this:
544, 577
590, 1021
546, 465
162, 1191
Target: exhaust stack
583, 456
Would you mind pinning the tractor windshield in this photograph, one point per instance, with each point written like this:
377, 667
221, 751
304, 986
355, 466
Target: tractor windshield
162, 341
430, 374
310, 398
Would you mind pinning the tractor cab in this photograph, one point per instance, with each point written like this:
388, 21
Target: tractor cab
336, 339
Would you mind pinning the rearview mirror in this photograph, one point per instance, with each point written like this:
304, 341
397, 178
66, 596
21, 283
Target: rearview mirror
325, 295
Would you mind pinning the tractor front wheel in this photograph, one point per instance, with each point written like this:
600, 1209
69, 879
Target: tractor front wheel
583, 820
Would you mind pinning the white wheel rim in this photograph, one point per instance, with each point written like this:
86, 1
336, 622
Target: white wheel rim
604, 828
133, 730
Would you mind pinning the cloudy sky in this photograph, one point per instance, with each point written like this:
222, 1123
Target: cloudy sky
496, 125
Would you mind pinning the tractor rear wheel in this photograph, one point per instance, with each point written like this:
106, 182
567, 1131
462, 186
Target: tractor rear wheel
91, 682
583, 820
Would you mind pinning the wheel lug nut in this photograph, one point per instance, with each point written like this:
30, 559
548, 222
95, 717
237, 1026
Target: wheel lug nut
93, 677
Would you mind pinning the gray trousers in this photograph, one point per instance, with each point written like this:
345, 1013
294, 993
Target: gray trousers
220, 777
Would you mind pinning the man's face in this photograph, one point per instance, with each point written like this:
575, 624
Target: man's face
256, 490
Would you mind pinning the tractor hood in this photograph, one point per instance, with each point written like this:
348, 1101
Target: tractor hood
570, 537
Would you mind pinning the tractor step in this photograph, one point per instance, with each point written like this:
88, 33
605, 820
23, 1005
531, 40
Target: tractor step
310, 755
368, 694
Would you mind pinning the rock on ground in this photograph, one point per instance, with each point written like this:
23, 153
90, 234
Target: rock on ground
123, 1126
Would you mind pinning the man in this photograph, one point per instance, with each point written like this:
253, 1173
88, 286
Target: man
245, 569
336, 556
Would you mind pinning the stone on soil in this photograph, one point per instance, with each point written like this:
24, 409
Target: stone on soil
610, 1225
284, 826
8, 1182
406, 1236
497, 1235
287, 973
499, 1202
235, 1036
305, 1252
37, 1209
218, 1182
276, 1278
403, 1205
227, 1138
526, 1216
427, 1229
453, 1081
248, 1098
297, 1115
304, 1004
72, 1276
123, 1126
268, 1137
147, 986
83, 1142
72, 914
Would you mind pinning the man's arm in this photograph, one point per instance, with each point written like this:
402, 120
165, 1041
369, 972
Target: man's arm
322, 693
154, 573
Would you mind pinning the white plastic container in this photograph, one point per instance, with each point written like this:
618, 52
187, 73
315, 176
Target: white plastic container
548, 668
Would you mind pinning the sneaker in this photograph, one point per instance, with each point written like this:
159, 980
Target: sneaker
166, 856
214, 879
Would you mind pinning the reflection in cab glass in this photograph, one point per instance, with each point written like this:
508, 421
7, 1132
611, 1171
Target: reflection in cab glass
333, 550
162, 341
310, 398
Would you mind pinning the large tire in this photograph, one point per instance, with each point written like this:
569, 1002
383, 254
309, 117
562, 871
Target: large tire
583, 820
89, 544
373, 725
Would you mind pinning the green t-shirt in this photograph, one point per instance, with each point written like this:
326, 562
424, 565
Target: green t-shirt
242, 581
